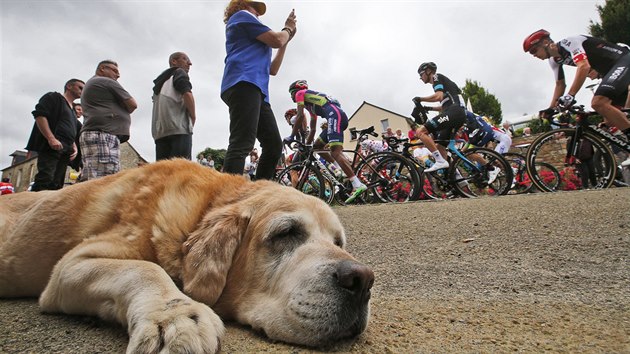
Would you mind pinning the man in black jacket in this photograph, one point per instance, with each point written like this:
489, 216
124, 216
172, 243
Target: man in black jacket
53, 135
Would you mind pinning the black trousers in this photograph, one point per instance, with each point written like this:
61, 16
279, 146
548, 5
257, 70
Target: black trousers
171, 146
51, 168
251, 118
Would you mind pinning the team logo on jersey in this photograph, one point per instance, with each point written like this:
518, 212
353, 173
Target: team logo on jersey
617, 73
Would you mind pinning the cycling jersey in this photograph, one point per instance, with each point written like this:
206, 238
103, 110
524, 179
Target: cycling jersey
453, 114
611, 60
601, 55
480, 133
450, 90
320, 104
315, 102
478, 130
373, 146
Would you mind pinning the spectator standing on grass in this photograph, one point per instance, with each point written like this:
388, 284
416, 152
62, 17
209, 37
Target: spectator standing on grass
53, 136
173, 110
107, 109
245, 84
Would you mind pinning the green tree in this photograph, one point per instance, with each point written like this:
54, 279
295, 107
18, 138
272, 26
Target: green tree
615, 22
482, 101
217, 155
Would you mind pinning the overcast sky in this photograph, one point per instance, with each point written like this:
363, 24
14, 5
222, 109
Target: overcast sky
353, 50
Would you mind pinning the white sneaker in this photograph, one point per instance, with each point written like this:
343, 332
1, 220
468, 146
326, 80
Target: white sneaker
437, 166
626, 163
492, 175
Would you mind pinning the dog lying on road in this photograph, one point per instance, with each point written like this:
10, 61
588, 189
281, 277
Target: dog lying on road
170, 248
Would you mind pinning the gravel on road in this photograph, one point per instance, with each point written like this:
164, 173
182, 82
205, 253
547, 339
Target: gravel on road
523, 273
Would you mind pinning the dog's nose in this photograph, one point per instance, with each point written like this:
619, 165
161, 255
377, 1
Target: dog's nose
355, 277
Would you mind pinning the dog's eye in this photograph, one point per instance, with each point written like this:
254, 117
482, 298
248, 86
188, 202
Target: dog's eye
287, 238
291, 233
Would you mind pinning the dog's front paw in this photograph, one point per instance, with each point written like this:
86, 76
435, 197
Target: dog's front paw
177, 326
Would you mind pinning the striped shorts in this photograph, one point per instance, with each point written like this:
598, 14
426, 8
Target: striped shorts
101, 154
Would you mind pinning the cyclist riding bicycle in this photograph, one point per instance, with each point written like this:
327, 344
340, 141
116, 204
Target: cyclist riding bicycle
480, 133
451, 118
291, 117
373, 146
609, 59
320, 104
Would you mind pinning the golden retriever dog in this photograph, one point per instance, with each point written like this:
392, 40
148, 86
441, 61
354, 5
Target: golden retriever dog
171, 248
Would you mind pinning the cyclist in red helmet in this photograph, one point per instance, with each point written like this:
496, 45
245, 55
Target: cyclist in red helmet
611, 60
321, 104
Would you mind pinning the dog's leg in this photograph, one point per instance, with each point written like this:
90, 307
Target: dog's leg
139, 295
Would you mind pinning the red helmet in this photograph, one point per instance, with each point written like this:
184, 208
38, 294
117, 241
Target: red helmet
534, 39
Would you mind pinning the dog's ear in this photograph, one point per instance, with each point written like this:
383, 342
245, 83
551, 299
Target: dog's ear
209, 251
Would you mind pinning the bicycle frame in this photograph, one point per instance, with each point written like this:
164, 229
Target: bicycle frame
582, 124
606, 136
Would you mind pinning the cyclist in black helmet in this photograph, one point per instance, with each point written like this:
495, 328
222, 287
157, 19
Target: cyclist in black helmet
451, 118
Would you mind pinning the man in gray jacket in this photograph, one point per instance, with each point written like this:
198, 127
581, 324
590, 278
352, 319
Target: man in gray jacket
173, 110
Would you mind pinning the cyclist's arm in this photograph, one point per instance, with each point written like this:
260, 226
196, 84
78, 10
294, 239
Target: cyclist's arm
299, 119
557, 92
311, 134
583, 67
438, 96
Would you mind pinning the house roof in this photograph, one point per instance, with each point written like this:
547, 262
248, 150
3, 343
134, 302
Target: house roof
375, 106
19, 153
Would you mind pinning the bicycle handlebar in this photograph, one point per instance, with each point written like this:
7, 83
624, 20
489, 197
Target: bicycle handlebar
358, 134
394, 141
420, 112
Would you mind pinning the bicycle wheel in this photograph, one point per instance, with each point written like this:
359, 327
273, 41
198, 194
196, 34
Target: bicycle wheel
521, 183
551, 168
473, 180
329, 191
390, 177
435, 186
305, 178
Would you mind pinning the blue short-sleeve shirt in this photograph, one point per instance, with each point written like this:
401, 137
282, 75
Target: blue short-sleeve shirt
248, 59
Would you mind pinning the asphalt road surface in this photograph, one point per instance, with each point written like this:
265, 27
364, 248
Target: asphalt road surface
525, 273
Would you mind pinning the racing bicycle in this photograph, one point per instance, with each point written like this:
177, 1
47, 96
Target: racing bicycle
389, 176
558, 148
469, 171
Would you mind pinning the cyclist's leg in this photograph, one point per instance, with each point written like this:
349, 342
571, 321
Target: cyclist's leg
503, 142
337, 123
614, 83
434, 126
320, 143
450, 120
